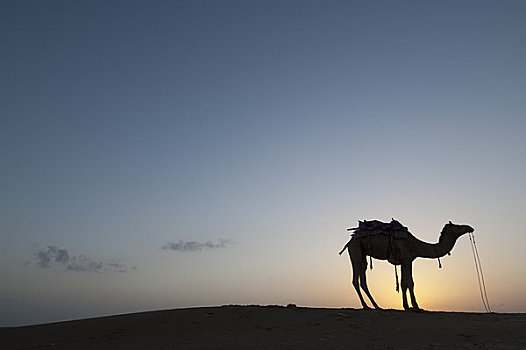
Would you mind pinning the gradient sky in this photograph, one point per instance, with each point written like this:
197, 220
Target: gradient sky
160, 154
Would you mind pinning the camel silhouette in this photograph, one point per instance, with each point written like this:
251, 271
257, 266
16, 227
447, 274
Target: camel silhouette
398, 251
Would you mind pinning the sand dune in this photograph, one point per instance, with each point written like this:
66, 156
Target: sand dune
268, 327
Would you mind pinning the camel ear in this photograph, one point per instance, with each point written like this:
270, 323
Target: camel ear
450, 222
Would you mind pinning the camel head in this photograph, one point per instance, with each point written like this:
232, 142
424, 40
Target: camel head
456, 230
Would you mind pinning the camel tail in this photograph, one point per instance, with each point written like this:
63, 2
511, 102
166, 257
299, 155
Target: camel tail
344, 247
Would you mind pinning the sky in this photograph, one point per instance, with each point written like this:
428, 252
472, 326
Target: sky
160, 154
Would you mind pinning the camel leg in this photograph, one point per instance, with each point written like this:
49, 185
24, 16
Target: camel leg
363, 284
408, 283
406, 270
358, 265
411, 287
356, 284
413, 298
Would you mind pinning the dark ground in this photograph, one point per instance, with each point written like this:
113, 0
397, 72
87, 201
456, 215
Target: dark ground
267, 327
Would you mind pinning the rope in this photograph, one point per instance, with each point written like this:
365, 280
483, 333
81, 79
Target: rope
396, 279
393, 247
369, 247
480, 275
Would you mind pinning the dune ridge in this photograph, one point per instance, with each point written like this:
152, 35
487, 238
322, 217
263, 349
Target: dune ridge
263, 327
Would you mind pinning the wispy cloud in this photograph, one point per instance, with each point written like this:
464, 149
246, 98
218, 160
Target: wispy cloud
194, 246
60, 259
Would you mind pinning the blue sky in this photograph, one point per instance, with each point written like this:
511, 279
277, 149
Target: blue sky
255, 132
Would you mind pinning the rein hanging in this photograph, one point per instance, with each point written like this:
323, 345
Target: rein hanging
480, 275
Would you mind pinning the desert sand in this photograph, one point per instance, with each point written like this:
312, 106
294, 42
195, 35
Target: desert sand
276, 327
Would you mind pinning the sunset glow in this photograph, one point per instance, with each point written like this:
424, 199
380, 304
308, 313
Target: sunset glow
171, 154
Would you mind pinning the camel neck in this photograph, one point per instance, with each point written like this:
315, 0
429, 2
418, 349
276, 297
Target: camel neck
436, 250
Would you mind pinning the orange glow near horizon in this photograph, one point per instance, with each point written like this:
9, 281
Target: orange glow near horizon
436, 289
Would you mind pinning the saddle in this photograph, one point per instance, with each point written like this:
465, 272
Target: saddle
376, 227
394, 230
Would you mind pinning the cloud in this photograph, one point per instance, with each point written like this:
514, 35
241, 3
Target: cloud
82, 263
116, 266
193, 246
43, 258
46, 257
60, 259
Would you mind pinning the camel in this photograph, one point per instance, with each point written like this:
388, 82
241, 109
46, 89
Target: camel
398, 251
